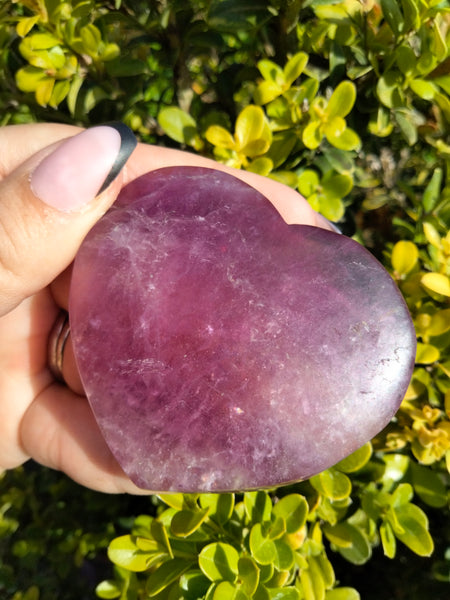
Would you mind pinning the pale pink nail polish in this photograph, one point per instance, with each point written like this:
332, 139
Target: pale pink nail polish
78, 169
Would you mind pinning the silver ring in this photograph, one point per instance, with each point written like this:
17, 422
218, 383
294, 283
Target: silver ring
56, 344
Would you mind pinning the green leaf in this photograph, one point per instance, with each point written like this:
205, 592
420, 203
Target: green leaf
28, 78
261, 165
284, 559
179, 501
193, 584
60, 91
271, 72
432, 192
350, 541
428, 485
248, 575
38, 41
108, 589
91, 38
389, 89
406, 59
284, 593
332, 483
72, 95
326, 569
380, 122
177, 124
228, 591
342, 100
407, 126
312, 588
293, 508
262, 548
186, 522
166, 574
308, 182
344, 139
219, 561
388, 539
220, 506
258, 506
356, 461
336, 186
294, 67
343, 593
424, 89
393, 15
411, 15
404, 257
414, 529
124, 552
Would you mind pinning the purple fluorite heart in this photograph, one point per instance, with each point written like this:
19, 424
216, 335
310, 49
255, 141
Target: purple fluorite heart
222, 349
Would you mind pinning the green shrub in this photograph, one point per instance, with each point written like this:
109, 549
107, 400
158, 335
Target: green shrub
348, 102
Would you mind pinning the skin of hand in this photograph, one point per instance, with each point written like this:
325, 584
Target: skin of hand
40, 418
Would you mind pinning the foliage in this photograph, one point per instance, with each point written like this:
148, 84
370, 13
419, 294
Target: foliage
347, 101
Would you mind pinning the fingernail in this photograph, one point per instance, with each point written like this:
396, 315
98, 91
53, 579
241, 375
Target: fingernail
83, 166
327, 223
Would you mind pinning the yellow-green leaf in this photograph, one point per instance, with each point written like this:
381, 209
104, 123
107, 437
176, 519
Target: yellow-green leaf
332, 483
346, 139
28, 78
308, 182
312, 134
294, 67
44, 91
26, 24
252, 132
404, 257
356, 460
177, 124
219, 136
266, 92
439, 322
166, 574
185, 522
388, 539
426, 354
293, 508
219, 561
342, 100
424, 89
437, 283
124, 552
271, 71
414, 529
432, 235
342, 593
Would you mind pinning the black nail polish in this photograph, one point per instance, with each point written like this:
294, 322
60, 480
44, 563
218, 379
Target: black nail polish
128, 144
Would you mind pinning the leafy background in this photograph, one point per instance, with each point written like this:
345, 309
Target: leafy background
348, 102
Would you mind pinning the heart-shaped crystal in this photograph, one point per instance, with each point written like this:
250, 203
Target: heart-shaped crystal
222, 349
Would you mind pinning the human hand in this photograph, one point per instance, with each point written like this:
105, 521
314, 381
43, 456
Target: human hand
44, 216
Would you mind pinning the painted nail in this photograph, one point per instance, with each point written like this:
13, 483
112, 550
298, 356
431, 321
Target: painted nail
328, 224
83, 166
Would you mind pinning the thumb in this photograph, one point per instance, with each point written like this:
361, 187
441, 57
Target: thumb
49, 203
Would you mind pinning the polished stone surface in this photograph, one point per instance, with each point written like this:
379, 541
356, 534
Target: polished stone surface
222, 349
